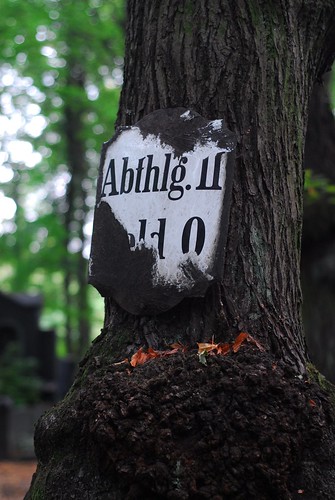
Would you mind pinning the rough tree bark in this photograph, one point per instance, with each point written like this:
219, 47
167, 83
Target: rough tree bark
254, 424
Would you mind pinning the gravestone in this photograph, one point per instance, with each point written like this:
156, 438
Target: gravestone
19, 321
162, 209
19, 324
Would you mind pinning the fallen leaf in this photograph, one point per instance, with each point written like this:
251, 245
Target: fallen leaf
139, 357
206, 347
239, 341
242, 337
153, 354
176, 347
312, 403
223, 349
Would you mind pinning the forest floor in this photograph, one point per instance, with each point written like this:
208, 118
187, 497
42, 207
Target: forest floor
15, 478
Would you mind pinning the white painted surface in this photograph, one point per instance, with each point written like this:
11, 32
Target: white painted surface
130, 208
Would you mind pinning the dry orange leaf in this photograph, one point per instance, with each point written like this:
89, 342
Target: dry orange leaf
209, 348
239, 341
223, 349
139, 357
312, 403
242, 337
177, 346
153, 354
206, 347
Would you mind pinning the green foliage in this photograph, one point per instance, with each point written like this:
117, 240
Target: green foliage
61, 67
18, 376
317, 186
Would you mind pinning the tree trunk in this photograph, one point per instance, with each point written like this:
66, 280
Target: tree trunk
77, 321
252, 424
249, 63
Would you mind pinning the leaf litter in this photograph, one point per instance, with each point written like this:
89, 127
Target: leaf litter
204, 349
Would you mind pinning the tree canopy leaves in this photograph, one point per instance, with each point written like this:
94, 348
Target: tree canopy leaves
61, 67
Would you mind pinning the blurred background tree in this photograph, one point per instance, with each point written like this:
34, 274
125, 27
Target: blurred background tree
61, 66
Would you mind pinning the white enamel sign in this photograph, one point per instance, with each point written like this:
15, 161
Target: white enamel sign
170, 200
